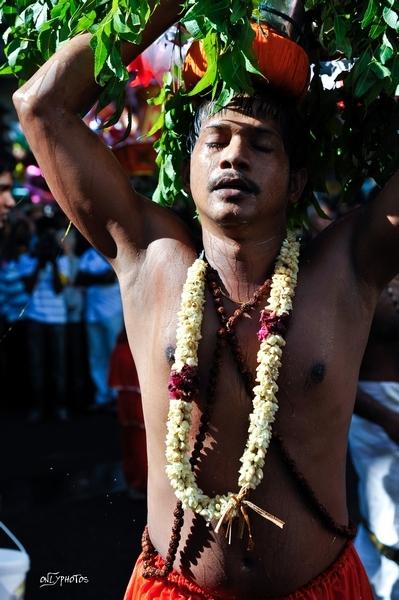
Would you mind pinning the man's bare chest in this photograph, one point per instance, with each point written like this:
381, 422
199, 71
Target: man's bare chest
321, 358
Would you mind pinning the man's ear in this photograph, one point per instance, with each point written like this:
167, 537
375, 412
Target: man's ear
298, 181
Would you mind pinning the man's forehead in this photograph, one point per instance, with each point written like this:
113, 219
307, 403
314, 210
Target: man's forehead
229, 118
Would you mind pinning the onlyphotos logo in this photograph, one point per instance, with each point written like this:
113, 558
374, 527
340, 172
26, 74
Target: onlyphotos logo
52, 579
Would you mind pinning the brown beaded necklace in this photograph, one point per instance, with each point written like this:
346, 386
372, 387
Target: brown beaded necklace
224, 332
348, 531
228, 323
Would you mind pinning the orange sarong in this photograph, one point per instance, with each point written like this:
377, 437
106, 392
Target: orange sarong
345, 579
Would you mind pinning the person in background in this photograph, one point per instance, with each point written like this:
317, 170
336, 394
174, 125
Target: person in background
45, 274
103, 316
14, 300
123, 378
374, 446
7, 201
76, 342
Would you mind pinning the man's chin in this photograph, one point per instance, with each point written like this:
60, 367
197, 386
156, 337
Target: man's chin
233, 215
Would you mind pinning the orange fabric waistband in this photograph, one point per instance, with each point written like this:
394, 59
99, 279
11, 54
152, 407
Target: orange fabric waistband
345, 579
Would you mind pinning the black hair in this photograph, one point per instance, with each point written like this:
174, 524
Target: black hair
269, 103
47, 247
7, 163
18, 237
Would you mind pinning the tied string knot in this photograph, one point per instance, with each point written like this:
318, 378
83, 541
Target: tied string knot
270, 322
183, 385
238, 507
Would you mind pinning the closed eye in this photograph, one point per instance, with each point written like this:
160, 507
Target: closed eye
216, 145
259, 148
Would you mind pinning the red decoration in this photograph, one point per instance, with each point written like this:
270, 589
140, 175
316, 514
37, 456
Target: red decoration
271, 323
183, 385
144, 74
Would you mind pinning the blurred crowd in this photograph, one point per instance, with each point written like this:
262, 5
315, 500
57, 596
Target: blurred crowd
60, 313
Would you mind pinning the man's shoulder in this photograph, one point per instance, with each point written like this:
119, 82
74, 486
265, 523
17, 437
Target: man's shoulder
336, 239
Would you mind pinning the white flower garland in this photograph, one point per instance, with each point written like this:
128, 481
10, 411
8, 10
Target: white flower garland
265, 403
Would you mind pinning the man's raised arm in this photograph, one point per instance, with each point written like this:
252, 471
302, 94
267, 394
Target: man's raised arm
83, 175
376, 239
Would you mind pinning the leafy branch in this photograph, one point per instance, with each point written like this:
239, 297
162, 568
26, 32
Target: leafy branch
353, 126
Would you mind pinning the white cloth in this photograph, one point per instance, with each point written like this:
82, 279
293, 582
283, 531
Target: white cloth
102, 301
376, 459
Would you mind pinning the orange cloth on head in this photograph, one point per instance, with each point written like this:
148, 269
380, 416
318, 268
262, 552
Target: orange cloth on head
345, 579
283, 63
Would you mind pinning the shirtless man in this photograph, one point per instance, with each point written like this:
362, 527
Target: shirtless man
341, 274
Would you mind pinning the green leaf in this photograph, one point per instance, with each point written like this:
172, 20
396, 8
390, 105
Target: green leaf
341, 28
364, 83
194, 28
251, 67
210, 75
376, 30
168, 168
102, 50
6, 70
369, 14
224, 98
60, 9
386, 50
47, 40
7, 10
85, 22
238, 11
379, 70
157, 125
391, 18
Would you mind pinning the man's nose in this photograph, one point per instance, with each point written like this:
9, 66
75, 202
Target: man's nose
235, 154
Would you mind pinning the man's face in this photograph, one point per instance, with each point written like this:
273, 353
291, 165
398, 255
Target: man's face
6, 199
239, 172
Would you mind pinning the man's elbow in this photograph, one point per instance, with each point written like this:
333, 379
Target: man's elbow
31, 106
394, 221
26, 106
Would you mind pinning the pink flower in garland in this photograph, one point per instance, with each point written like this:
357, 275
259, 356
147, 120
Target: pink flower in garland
272, 323
183, 385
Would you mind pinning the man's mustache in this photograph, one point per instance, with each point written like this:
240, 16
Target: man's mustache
233, 179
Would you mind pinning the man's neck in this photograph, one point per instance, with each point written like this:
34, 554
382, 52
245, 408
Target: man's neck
242, 265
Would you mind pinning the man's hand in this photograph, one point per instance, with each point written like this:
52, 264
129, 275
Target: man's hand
375, 247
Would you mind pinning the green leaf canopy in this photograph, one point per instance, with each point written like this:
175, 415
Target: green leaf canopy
353, 127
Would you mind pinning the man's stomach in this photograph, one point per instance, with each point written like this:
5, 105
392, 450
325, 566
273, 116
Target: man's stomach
282, 560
